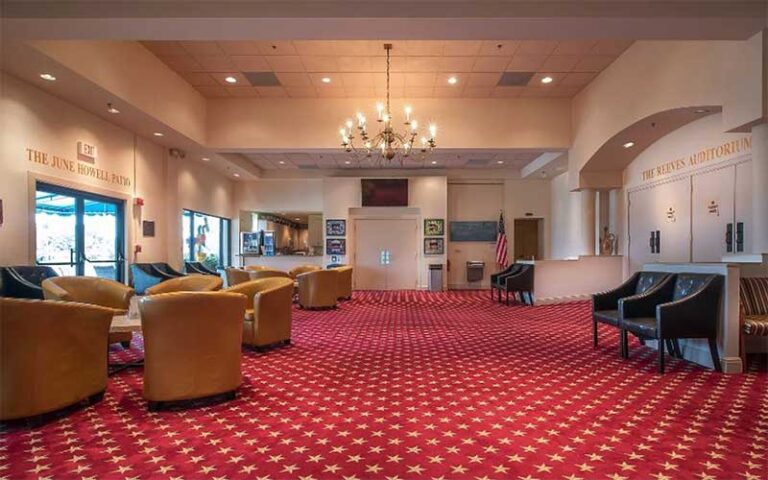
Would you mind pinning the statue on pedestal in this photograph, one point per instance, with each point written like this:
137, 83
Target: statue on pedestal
609, 244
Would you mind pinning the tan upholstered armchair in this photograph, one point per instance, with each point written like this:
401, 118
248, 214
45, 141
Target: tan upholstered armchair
94, 291
190, 283
191, 345
298, 270
344, 282
256, 268
268, 273
236, 276
268, 319
318, 289
52, 355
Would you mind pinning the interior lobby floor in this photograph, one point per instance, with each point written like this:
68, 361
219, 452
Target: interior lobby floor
417, 385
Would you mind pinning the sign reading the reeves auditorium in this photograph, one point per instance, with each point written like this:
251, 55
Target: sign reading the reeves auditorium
699, 158
77, 167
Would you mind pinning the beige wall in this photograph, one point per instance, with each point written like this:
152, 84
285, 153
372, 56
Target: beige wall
655, 76
34, 119
566, 218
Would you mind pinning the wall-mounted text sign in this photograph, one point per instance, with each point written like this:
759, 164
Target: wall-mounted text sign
86, 151
77, 167
699, 158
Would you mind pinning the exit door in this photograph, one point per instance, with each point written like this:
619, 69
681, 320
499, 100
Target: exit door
386, 255
79, 233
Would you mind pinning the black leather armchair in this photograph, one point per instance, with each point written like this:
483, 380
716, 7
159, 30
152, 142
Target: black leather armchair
605, 305
496, 278
145, 275
520, 281
689, 307
24, 281
199, 268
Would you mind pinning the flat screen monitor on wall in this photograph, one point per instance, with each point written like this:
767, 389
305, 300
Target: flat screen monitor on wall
390, 192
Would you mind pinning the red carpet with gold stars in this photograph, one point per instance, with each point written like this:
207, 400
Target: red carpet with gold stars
417, 385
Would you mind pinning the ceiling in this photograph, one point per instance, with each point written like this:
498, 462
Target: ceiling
421, 68
453, 159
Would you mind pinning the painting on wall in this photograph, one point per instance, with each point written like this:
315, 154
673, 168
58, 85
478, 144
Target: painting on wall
335, 228
434, 246
434, 227
335, 246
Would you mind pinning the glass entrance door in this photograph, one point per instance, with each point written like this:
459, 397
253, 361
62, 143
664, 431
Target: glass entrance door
79, 233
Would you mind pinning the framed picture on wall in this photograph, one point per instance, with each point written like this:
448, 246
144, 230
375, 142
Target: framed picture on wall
336, 228
335, 246
434, 246
434, 227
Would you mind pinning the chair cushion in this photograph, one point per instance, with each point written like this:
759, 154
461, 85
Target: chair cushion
756, 325
611, 317
648, 280
643, 326
688, 283
754, 295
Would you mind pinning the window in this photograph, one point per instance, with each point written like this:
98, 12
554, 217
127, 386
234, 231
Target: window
206, 239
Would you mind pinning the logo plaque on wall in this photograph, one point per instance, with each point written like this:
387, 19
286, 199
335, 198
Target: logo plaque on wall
713, 208
671, 215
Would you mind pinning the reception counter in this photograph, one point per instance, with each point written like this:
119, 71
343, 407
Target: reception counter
282, 262
556, 281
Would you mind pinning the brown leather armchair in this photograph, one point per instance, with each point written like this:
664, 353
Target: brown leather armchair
52, 355
318, 289
191, 345
236, 276
344, 282
256, 268
94, 291
190, 283
268, 320
298, 270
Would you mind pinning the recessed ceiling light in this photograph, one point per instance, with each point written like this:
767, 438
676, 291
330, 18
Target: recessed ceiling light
230, 79
499, 161
326, 79
297, 219
206, 159
701, 110
47, 76
547, 79
629, 145
281, 162
434, 162
111, 108
453, 80
157, 134
236, 174
347, 162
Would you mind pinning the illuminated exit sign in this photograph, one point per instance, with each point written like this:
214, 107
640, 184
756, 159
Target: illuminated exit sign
86, 150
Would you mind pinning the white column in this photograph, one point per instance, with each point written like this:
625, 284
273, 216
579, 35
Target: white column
760, 188
602, 211
588, 222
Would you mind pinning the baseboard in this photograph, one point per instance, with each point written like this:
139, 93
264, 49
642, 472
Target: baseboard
468, 286
697, 351
566, 299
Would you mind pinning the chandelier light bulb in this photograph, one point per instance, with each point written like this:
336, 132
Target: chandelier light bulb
414, 125
432, 130
342, 132
407, 113
424, 141
349, 123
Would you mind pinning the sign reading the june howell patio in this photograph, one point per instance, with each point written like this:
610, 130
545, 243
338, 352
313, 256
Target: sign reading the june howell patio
77, 167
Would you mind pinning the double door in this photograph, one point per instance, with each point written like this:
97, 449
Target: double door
79, 233
386, 254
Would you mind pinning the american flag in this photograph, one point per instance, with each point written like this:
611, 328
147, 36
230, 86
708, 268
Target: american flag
501, 243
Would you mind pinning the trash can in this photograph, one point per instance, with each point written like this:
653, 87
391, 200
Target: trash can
436, 277
475, 271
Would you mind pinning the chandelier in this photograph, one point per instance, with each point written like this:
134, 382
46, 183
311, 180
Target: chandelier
388, 144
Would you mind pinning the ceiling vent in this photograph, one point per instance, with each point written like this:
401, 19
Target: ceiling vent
262, 79
515, 79
477, 162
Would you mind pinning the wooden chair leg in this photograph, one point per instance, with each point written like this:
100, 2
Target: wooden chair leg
594, 333
661, 356
715, 355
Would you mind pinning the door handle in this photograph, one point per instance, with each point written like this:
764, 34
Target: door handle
739, 236
653, 241
729, 238
658, 241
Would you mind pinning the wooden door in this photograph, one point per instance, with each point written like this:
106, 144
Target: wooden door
712, 213
526, 242
386, 254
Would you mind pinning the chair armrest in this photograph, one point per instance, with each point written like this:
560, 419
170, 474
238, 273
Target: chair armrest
51, 291
644, 304
161, 274
22, 287
609, 300
695, 315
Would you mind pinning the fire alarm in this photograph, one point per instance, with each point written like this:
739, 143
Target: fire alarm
138, 201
